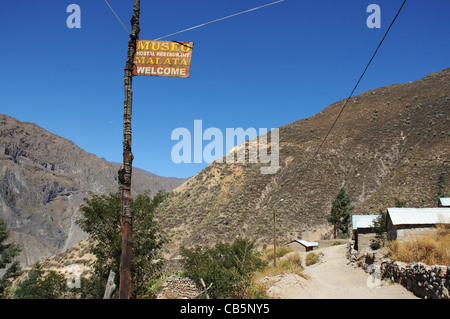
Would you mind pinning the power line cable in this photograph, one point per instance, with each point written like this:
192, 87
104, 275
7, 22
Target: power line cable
216, 20
353, 91
200, 25
117, 17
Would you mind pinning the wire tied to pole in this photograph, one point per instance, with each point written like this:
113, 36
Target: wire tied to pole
200, 25
117, 17
216, 20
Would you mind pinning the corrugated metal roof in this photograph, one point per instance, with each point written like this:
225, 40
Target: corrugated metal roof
306, 243
363, 221
445, 201
409, 216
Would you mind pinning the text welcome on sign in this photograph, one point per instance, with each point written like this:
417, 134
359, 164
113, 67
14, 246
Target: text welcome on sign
163, 58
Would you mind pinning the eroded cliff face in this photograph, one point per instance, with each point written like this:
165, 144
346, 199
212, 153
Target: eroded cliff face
43, 181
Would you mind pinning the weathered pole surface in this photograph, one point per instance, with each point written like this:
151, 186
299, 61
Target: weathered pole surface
126, 167
274, 240
275, 233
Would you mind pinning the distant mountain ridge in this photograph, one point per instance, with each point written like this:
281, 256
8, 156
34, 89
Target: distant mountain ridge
43, 180
390, 143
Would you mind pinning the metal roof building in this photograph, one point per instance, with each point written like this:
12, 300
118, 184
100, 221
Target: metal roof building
444, 201
403, 222
306, 245
363, 221
362, 233
419, 216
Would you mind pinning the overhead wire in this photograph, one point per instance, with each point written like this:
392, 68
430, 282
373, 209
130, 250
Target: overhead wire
123, 25
220, 19
269, 4
200, 25
354, 88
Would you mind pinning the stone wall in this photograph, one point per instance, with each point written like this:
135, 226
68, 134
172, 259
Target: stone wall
179, 288
352, 253
363, 258
430, 282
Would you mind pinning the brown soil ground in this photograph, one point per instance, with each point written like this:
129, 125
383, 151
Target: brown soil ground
334, 278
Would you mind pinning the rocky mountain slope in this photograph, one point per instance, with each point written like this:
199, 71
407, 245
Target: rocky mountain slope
390, 143
43, 180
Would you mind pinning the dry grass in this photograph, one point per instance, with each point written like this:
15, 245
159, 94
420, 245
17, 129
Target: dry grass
431, 249
281, 251
311, 259
290, 263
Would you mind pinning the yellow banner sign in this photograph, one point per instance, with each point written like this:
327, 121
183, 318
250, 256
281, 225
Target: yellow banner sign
163, 58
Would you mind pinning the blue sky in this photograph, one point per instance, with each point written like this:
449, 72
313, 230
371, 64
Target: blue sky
262, 69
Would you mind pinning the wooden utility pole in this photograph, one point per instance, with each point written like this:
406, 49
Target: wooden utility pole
126, 167
275, 233
274, 240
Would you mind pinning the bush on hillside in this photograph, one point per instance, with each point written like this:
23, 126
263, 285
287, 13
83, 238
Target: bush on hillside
229, 267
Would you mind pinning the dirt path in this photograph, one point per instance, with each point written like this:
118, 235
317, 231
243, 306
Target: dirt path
332, 278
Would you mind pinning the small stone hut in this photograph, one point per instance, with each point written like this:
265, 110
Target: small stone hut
404, 222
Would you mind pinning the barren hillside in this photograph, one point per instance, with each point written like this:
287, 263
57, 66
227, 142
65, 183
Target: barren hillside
390, 143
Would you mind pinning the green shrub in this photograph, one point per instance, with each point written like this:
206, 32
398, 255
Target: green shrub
229, 267
10, 268
102, 217
38, 285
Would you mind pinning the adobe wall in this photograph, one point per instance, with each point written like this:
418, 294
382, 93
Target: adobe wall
405, 232
364, 239
296, 247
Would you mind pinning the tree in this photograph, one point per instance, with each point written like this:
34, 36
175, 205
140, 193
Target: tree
399, 203
339, 216
102, 220
441, 187
441, 184
230, 267
379, 228
39, 285
7, 254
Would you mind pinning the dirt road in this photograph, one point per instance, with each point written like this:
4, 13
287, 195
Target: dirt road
333, 278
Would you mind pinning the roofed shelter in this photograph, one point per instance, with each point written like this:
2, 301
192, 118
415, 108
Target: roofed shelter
362, 232
444, 202
302, 245
404, 222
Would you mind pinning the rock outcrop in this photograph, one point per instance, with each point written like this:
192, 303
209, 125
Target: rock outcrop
43, 181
